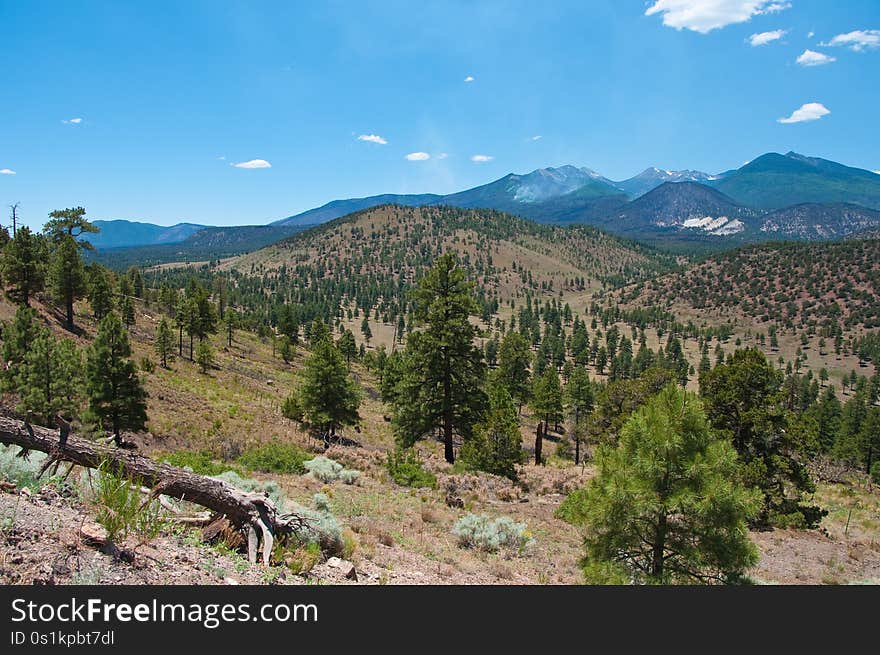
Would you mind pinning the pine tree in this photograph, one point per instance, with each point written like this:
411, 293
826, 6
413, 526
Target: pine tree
22, 266
327, 395
742, 399
205, 355
496, 445
116, 395
126, 309
365, 330
49, 380
514, 358
665, 506
547, 398
100, 292
164, 344
67, 275
579, 398
71, 223
230, 323
17, 339
347, 346
442, 385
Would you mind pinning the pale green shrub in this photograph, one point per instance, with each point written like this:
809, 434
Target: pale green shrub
328, 470
491, 535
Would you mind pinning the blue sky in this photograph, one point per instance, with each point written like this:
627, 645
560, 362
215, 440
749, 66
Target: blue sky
171, 94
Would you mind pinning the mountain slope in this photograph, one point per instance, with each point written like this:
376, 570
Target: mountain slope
338, 208
819, 222
773, 181
651, 178
682, 208
791, 284
207, 244
121, 233
376, 254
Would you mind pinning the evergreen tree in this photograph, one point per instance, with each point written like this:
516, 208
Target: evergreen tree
164, 344
116, 395
230, 323
365, 329
17, 339
742, 399
100, 292
579, 399
22, 266
442, 385
49, 380
327, 395
205, 355
67, 275
71, 223
547, 398
514, 358
347, 346
126, 309
665, 506
496, 445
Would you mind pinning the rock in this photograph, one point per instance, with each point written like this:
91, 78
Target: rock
345, 567
230, 581
25, 492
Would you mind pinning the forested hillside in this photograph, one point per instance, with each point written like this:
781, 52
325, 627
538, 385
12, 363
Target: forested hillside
525, 379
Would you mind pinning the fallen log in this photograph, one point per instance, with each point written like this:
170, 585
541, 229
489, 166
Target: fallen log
252, 513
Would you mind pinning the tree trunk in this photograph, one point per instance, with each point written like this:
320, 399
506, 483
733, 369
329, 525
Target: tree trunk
539, 442
250, 512
658, 547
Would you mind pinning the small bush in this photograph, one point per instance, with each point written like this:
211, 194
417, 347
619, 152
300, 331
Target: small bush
201, 462
405, 468
875, 473
274, 457
21, 471
249, 484
327, 470
491, 535
147, 365
120, 509
303, 559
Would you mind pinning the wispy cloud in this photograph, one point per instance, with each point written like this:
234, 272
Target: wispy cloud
372, 138
811, 34
857, 40
763, 38
7, 171
813, 58
418, 156
703, 16
812, 111
482, 158
253, 163
537, 137
442, 155
469, 78
72, 121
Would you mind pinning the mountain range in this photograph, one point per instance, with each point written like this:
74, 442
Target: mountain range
772, 197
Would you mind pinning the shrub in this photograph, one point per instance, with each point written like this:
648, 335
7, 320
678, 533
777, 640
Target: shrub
201, 462
120, 510
327, 470
274, 457
21, 471
573, 508
485, 533
147, 365
875, 473
405, 468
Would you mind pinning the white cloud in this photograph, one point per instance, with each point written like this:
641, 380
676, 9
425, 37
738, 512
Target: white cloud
857, 40
813, 58
703, 16
812, 111
372, 138
418, 156
810, 34
72, 121
763, 38
537, 137
482, 158
877, 172
253, 163
469, 78
442, 155
7, 171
